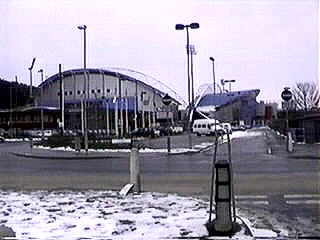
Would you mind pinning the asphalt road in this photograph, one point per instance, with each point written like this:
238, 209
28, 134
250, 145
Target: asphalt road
285, 189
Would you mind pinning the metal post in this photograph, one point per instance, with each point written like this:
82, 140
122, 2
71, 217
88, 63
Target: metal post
120, 107
135, 169
136, 106
168, 138
41, 100
213, 178
189, 97
61, 100
108, 124
116, 126
86, 86
127, 115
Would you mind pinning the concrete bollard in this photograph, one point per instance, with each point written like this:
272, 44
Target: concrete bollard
135, 169
289, 142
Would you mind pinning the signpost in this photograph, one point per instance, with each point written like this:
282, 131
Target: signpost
286, 95
166, 100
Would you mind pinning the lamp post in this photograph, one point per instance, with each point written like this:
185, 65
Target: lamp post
86, 94
30, 69
213, 76
41, 102
182, 27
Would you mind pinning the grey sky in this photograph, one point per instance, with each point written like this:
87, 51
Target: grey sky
265, 44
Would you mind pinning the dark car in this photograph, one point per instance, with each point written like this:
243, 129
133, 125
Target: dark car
1, 139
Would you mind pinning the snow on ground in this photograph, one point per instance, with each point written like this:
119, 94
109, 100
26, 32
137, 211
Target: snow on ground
246, 134
105, 215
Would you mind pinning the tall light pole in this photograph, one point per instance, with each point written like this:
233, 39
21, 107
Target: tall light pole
213, 76
86, 89
182, 27
192, 52
41, 102
30, 69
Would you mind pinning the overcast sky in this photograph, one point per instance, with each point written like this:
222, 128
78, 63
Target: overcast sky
262, 44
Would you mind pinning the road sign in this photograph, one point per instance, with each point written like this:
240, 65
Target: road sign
166, 99
286, 95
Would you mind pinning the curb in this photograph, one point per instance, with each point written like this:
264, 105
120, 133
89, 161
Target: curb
27, 155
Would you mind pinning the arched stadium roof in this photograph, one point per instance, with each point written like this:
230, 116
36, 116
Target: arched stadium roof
127, 74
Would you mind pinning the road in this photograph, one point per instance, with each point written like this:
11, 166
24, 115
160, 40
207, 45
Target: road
286, 189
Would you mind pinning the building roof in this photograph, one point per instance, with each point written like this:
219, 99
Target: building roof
126, 74
219, 100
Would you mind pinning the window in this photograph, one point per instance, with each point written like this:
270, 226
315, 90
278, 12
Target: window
70, 93
92, 91
98, 90
108, 90
78, 92
66, 93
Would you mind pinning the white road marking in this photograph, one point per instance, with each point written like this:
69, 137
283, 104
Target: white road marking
254, 202
303, 202
251, 197
290, 196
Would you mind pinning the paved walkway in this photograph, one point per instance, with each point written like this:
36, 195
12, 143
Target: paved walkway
278, 145
179, 145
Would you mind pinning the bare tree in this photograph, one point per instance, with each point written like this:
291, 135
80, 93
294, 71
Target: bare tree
306, 95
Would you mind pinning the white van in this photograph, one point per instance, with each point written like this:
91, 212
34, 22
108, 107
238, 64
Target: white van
206, 127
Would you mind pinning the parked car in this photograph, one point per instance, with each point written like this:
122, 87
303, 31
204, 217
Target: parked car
1, 139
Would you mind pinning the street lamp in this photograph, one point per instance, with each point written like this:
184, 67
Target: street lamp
182, 27
41, 102
86, 94
213, 76
30, 69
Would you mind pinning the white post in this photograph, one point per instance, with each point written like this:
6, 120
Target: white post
149, 119
127, 117
143, 120
116, 115
135, 169
289, 142
108, 124
82, 117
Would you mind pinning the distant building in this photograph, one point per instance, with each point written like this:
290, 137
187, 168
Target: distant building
265, 113
235, 107
118, 101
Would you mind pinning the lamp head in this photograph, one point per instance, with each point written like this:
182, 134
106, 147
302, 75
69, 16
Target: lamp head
179, 26
212, 59
82, 27
194, 25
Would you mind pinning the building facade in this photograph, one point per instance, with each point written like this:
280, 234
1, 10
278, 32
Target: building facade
238, 107
117, 101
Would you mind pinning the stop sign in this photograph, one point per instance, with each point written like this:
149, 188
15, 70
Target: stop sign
166, 99
286, 95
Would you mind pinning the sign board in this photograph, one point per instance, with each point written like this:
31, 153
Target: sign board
286, 95
166, 100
